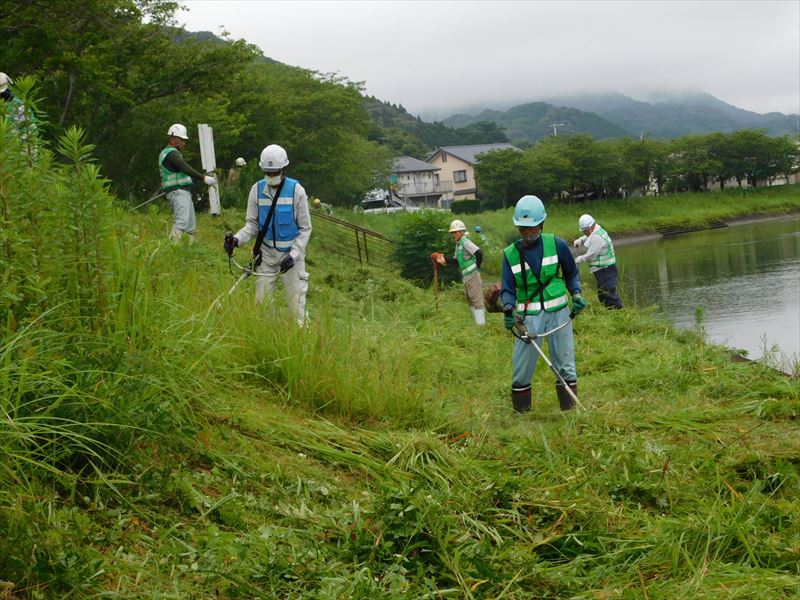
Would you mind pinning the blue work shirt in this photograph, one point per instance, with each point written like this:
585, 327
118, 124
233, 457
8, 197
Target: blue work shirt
533, 256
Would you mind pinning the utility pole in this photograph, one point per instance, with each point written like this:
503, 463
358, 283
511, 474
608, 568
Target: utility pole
555, 127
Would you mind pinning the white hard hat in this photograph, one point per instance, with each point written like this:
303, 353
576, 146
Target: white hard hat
240, 162
5, 81
457, 226
585, 222
273, 158
178, 130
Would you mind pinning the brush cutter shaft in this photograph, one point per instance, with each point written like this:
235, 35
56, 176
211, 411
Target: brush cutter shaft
156, 197
245, 274
522, 333
248, 269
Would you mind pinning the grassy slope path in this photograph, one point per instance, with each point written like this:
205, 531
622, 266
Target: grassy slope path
375, 454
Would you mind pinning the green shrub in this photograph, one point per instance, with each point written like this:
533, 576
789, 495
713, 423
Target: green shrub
419, 234
466, 207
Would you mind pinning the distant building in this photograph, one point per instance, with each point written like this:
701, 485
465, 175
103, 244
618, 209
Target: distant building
456, 169
417, 183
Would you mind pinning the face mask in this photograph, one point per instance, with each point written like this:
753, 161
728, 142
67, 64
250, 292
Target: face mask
273, 181
530, 239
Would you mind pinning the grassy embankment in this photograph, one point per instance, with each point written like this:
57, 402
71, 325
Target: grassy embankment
177, 450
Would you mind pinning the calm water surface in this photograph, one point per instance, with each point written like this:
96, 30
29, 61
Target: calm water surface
745, 278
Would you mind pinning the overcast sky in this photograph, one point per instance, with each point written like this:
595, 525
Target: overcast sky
436, 57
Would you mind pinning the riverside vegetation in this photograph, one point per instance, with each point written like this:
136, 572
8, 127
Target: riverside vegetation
153, 444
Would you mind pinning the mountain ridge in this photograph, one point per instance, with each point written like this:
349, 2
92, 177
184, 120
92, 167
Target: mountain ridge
669, 115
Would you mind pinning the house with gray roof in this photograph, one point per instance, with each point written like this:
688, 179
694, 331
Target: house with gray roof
416, 182
456, 168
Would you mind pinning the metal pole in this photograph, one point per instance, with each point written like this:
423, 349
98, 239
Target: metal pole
436, 283
358, 247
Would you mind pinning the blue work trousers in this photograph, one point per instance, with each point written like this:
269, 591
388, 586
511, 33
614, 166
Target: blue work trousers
559, 345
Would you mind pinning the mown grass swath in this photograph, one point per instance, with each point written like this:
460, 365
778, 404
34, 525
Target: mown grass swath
154, 445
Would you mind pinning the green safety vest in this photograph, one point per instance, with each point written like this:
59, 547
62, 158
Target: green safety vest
606, 258
531, 298
171, 179
467, 266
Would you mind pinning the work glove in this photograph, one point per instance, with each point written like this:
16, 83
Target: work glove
508, 316
578, 304
287, 263
580, 259
209, 180
577, 243
230, 243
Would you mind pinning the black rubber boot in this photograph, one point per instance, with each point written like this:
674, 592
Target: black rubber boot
521, 399
565, 401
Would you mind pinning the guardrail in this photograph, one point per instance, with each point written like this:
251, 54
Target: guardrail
356, 243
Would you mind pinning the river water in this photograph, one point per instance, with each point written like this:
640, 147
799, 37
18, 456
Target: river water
743, 281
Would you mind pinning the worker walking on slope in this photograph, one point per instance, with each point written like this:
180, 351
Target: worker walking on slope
468, 257
235, 172
601, 258
278, 217
323, 207
538, 271
176, 181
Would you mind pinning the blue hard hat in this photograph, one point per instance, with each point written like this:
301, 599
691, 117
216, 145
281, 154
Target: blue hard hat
529, 212
477, 228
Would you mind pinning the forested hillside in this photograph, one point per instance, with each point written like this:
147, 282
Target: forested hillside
405, 134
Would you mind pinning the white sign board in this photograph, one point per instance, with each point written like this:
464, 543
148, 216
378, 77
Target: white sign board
206, 136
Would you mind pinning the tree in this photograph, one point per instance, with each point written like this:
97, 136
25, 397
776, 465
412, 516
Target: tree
502, 175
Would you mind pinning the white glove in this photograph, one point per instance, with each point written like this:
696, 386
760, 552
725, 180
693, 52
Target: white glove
580, 259
577, 243
209, 180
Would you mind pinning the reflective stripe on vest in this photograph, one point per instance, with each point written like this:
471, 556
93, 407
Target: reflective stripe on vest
283, 219
606, 258
554, 296
467, 266
171, 179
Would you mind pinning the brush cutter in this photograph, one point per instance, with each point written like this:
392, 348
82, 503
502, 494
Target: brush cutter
521, 332
247, 271
158, 195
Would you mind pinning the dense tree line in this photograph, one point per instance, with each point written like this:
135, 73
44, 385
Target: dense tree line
577, 166
121, 71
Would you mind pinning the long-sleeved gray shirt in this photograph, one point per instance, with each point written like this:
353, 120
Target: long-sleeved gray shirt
301, 215
595, 245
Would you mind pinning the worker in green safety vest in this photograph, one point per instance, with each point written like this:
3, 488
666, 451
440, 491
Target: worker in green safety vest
176, 181
539, 276
601, 258
468, 257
